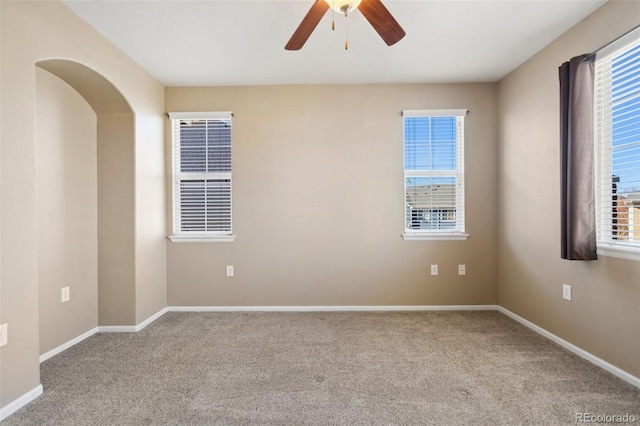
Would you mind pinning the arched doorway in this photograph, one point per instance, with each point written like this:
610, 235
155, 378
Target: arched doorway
86, 202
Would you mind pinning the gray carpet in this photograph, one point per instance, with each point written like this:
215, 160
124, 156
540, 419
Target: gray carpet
360, 368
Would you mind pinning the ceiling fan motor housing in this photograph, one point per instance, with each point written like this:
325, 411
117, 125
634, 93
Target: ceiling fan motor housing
343, 6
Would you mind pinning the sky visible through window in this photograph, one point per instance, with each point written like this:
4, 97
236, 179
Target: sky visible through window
430, 144
625, 140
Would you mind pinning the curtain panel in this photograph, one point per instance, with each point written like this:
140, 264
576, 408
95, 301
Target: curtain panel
578, 223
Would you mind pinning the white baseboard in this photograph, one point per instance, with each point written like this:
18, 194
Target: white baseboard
352, 308
627, 377
151, 319
103, 329
67, 345
17, 404
132, 328
117, 329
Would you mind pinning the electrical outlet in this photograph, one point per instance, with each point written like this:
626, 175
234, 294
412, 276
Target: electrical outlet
229, 271
462, 270
566, 291
65, 294
434, 269
4, 336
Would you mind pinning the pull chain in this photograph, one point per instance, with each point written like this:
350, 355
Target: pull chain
333, 16
346, 32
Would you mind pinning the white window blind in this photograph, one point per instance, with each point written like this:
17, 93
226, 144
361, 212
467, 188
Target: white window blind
434, 172
201, 172
617, 134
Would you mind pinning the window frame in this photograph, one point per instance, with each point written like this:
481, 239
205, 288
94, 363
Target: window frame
605, 243
177, 176
459, 232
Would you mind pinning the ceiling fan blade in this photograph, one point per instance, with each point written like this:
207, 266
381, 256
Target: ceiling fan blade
382, 21
308, 24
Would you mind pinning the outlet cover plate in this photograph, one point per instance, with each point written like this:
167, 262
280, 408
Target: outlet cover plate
462, 270
230, 271
4, 337
434, 269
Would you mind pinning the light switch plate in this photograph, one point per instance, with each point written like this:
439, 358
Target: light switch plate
566, 291
65, 295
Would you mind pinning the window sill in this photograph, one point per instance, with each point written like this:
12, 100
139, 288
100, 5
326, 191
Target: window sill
619, 251
434, 237
202, 238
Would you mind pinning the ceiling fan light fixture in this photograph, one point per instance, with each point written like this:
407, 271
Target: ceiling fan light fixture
373, 11
343, 6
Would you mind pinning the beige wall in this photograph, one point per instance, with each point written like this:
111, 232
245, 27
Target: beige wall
318, 201
150, 211
604, 316
66, 164
32, 32
116, 224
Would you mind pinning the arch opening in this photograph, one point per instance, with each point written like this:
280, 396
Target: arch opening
100, 93
113, 183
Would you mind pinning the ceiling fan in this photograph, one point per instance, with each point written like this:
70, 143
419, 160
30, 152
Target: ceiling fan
373, 10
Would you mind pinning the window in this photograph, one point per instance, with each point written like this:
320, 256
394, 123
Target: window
201, 176
434, 174
617, 135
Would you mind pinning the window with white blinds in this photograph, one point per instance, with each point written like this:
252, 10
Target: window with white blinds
434, 174
617, 134
201, 174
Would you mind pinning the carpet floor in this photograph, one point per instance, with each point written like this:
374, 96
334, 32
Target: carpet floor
324, 368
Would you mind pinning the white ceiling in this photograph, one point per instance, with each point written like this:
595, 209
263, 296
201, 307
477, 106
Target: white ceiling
241, 42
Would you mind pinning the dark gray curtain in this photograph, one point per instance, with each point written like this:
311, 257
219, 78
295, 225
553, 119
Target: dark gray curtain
578, 225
